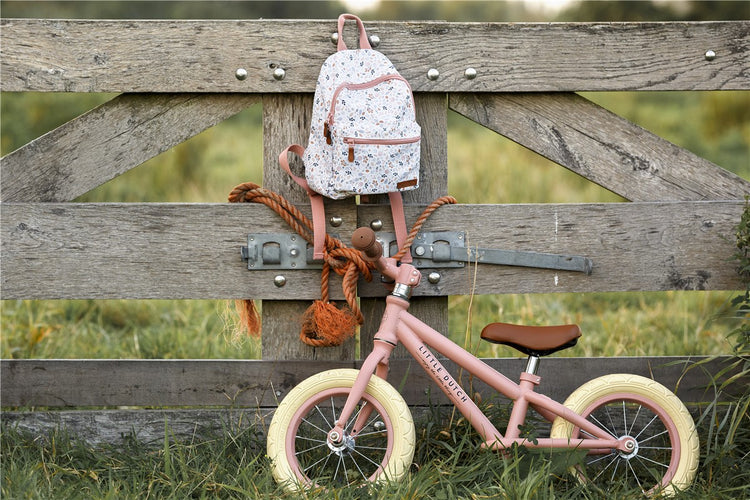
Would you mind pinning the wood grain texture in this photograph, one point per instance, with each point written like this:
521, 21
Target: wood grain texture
286, 121
262, 384
634, 246
188, 251
148, 427
192, 251
601, 146
109, 140
202, 56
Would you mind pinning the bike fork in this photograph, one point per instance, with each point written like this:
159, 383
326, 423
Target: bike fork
375, 364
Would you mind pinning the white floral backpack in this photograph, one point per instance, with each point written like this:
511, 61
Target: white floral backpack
364, 138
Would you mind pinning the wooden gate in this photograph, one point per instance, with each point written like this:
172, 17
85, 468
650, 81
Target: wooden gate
177, 78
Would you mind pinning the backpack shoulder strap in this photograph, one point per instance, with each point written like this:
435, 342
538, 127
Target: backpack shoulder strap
316, 201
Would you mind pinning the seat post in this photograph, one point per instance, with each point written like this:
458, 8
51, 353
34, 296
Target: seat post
532, 364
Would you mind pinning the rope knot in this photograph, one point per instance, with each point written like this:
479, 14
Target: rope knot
324, 324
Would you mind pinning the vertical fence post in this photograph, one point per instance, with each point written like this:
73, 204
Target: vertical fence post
286, 120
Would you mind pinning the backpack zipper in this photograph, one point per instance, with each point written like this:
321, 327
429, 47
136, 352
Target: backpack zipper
351, 141
355, 86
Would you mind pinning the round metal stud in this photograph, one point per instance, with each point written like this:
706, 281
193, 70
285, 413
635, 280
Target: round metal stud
376, 225
279, 73
279, 280
240, 74
470, 73
294, 252
374, 40
434, 277
419, 251
334, 38
336, 221
433, 74
710, 55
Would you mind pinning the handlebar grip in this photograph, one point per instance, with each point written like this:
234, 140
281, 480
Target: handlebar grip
364, 240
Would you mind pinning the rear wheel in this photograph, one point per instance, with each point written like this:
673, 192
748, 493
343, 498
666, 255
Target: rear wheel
665, 456
297, 437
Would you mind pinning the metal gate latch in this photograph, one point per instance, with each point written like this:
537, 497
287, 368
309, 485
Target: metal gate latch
278, 251
439, 249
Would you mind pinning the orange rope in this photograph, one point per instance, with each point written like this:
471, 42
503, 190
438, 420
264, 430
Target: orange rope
324, 324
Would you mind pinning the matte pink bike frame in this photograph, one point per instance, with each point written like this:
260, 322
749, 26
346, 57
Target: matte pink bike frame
399, 326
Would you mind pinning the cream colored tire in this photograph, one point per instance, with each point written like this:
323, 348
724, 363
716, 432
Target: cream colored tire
632, 402
301, 457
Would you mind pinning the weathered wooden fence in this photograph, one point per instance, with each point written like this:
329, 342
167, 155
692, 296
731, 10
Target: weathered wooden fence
177, 78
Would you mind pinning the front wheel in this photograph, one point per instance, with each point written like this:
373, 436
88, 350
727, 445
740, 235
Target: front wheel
666, 454
303, 457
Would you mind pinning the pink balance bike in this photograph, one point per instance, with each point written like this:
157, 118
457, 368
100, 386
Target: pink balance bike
345, 426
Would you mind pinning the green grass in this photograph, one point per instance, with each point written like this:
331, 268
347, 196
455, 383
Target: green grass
447, 465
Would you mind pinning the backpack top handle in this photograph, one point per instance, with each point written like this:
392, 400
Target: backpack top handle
364, 42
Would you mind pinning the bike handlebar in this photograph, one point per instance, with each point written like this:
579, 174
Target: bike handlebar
365, 241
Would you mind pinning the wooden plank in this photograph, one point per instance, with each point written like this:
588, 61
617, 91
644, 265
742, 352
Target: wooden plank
191, 251
109, 140
601, 146
286, 120
148, 427
634, 246
202, 56
151, 250
261, 384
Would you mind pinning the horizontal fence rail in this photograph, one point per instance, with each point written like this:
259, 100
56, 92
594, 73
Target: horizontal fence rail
165, 250
203, 56
239, 383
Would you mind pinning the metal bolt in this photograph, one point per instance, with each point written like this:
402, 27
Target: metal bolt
278, 393
434, 277
241, 73
433, 74
279, 281
419, 251
470, 73
376, 225
336, 221
279, 73
374, 40
294, 252
334, 38
710, 55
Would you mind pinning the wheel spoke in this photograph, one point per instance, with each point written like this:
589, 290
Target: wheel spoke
635, 476
368, 459
614, 460
311, 448
646, 427
315, 426
604, 427
640, 457
326, 458
603, 457
665, 431
635, 419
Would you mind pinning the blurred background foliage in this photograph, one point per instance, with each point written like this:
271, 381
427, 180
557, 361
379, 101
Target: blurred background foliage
714, 125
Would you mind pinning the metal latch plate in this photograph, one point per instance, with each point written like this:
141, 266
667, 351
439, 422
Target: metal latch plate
278, 251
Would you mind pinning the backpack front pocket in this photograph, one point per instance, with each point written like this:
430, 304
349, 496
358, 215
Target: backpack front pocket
373, 136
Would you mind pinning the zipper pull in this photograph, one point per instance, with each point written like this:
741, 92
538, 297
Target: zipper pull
327, 133
351, 153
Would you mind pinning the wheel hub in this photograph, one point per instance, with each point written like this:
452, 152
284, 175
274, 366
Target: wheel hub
630, 447
343, 447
